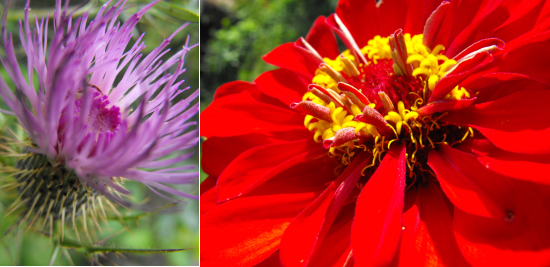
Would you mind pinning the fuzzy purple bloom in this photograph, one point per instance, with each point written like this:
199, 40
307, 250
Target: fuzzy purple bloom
80, 118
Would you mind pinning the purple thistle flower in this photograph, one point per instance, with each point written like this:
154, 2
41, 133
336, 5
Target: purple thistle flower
84, 122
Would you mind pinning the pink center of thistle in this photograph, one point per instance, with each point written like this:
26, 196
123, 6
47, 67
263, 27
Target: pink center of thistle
101, 117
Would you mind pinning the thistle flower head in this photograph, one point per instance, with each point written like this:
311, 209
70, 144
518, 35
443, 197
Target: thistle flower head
100, 112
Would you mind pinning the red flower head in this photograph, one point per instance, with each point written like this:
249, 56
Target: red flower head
426, 142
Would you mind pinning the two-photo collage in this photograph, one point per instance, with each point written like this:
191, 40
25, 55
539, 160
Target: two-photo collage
275, 133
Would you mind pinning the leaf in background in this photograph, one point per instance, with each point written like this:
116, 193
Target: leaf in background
176, 12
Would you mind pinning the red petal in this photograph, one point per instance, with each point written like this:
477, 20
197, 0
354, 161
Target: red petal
493, 86
361, 19
346, 37
259, 164
218, 152
523, 242
520, 166
336, 246
518, 122
376, 229
464, 13
289, 56
414, 24
307, 231
272, 261
527, 59
233, 88
282, 84
470, 186
445, 105
242, 114
506, 21
208, 184
321, 37
434, 24
460, 73
310, 176
488, 42
530, 37
365, 19
428, 237
248, 230
429, 7
208, 201
392, 15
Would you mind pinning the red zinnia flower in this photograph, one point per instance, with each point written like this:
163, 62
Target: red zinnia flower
417, 149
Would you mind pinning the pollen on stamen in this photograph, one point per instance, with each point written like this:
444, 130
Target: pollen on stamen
370, 106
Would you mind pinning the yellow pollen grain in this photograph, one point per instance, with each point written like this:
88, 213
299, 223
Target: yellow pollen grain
457, 93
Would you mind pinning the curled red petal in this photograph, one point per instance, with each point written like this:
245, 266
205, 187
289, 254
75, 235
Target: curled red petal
347, 37
377, 226
348, 88
334, 97
445, 105
433, 24
313, 109
459, 73
494, 43
372, 116
341, 137
308, 50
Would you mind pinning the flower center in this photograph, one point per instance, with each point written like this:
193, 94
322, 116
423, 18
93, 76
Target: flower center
353, 106
101, 117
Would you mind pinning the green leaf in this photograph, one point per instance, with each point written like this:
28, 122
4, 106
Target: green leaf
177, 12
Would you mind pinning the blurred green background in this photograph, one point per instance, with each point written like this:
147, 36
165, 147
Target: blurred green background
172, 228
236, 34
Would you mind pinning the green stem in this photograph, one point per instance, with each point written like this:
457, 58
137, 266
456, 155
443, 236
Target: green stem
91, 249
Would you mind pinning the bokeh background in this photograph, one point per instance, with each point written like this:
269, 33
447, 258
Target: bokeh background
171, 228
236, 34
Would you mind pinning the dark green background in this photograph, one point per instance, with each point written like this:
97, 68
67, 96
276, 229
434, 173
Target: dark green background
236, 34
